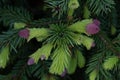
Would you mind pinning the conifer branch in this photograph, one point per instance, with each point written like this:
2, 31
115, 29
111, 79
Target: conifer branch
108, 43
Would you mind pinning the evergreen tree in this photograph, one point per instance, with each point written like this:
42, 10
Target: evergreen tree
59, 39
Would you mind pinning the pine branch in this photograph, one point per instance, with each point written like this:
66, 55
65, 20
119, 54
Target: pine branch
108, 43
5, 77
10, 15
95, 63
19, 70
116, 71
100, 7
45, 22
39, 70
59, 8
97, 59
116, 40
11, 37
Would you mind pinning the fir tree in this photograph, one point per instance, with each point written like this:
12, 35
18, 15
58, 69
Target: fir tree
59, 39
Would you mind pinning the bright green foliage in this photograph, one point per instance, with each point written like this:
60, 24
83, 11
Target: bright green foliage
86, 13
60, 35
60, 30
87, 42
36, 55
113, 30
61, 59
48, 77
110, 63
93, 75
41, 38
43, 51
80, 59
70, 12
76, 38
19, 25
80, 26
73, 4
72, 65
4, 56
39, 33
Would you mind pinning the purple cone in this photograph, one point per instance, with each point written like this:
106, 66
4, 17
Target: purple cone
92, 28
24, 33
64, 73
43, 57
30, 61
97, 22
